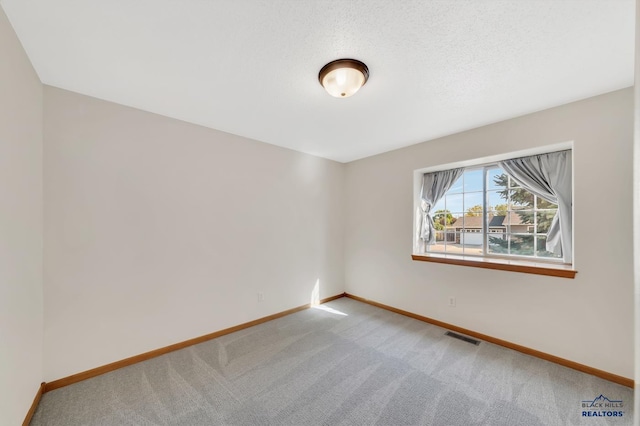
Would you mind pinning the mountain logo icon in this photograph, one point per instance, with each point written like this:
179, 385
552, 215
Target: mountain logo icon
601, 401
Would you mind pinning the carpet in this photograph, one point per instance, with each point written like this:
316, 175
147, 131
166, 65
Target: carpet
341, 363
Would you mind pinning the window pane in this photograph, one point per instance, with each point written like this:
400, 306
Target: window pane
458, 222
541, 250
453, 203
496, 179
497, 232
521, 198
473, 180
472, 241
498, 200
453, 243
521, 245
498, 244
544, 219
473, 203
442, 219
496, 222
473, 223
519, 220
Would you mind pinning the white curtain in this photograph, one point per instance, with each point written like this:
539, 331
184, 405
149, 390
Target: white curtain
434, 186
549, 177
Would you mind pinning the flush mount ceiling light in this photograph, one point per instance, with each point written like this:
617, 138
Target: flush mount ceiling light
343, 77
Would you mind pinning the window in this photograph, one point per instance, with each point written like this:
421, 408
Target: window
518, 208
504, 218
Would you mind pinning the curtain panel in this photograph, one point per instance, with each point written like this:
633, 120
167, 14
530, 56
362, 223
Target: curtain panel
549, 177
434, 186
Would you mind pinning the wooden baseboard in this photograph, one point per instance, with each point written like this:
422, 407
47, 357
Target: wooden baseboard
65, 381
542, 355
329, 299
34, 405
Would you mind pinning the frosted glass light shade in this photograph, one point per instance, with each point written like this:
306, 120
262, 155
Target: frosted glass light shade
344, 77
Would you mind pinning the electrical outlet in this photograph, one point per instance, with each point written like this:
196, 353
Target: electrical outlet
452, 302
260, 296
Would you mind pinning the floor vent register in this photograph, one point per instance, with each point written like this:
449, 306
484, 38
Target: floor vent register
463, 338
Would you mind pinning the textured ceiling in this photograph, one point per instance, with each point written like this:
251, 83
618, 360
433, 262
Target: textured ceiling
250, 67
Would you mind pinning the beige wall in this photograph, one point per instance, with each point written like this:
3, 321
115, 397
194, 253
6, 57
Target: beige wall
158, 231
588, 320
20, 228
636, 210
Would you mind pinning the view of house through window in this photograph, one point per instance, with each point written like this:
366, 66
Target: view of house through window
486, 213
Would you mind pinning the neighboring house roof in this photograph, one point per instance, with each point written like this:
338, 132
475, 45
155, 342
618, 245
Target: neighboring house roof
473, 222
500, 221
469, 222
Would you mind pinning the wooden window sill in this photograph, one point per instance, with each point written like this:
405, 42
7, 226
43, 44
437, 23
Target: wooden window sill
527, 267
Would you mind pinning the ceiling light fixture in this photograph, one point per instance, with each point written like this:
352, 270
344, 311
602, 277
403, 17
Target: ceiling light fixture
343, 77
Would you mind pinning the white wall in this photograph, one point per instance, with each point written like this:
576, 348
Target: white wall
20, 228
158, 231
589, 319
